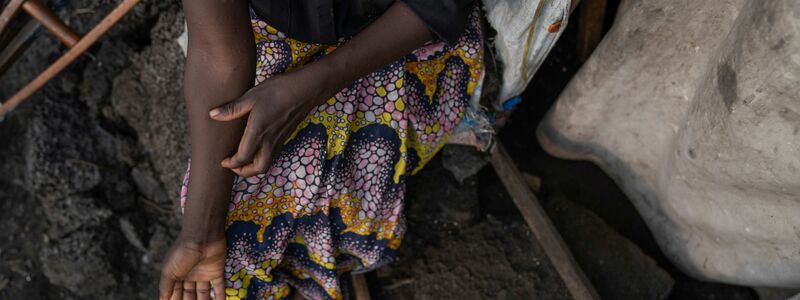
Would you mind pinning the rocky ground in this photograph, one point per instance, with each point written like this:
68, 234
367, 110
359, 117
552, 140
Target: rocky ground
90, 169
90, 165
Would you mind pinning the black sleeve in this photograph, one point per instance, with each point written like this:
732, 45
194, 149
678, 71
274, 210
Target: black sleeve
445, 18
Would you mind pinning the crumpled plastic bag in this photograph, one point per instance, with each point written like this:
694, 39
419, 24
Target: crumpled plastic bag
526, 31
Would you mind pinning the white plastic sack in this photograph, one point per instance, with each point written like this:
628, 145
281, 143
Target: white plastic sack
526, 31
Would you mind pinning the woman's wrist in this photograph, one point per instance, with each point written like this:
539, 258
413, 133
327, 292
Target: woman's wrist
204, 219
202, 232
207, 201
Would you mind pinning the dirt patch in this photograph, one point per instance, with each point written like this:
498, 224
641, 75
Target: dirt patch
460, 252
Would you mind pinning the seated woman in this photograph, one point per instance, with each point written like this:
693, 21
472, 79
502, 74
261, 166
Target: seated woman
299, 180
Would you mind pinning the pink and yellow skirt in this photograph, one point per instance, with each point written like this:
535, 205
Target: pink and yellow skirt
332, 201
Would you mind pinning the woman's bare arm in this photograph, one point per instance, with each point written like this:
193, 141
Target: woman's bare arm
220, 66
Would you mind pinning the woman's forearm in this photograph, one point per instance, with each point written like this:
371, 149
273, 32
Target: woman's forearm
278, 104
393, 35
210, 184
220, 67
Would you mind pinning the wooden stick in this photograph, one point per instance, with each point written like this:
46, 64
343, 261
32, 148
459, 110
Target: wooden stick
51, 22
590, 26
9, 12
573, 5
360, 286
73, 53
18, 44
543, 230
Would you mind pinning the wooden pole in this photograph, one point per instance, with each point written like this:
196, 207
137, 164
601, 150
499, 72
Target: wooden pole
360, 287
68, 57
8, 13
17, 44
590, 26
543, 229
51, 22
573, 5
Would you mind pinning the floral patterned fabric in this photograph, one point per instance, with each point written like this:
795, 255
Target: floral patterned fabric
332, 201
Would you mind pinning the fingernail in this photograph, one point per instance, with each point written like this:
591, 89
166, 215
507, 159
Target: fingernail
214, 112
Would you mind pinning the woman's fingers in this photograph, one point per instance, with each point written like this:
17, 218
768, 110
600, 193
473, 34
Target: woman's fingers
219, 288
177, 291
260, 163
263, 158
165, 289
232, 110
166, 285
251, 140
203, 290
189, 290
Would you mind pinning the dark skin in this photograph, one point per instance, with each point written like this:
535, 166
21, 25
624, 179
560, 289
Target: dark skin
236, 128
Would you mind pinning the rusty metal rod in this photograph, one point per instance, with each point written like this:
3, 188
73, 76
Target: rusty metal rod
90, 38
51, 22
9, 12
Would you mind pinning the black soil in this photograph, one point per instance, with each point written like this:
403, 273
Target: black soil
90, 168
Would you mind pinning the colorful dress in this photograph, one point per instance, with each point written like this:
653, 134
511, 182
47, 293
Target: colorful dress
332, 200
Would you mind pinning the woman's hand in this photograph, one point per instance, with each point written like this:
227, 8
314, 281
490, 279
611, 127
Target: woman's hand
191, 269
280, 103
274, 109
